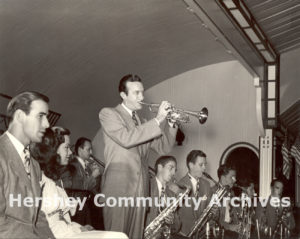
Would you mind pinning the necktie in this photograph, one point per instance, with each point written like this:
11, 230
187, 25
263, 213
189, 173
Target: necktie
162, 199
134, 118
86, 169
27, 161
197, 188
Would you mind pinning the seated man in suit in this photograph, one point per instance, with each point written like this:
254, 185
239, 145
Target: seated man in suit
84, 182
269, 216
196, 163
224, 216
86, 176
165, 168
20, 174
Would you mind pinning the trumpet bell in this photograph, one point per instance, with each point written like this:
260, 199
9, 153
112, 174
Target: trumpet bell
203, 114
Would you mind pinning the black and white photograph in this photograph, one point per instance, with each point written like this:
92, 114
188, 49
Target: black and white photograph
150, 119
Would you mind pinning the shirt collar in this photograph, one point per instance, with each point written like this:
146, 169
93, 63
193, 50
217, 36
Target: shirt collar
17, 144
159, 185
127, 109
81, 161
193, 181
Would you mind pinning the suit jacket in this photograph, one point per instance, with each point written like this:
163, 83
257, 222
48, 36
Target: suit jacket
153, 211
189, 215
126, 151
80, 180
19, 221
267, 216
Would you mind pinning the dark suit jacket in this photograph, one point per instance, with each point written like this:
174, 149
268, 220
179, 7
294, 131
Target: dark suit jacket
19, 222
80, 180
153, 211
267, 216
189, 215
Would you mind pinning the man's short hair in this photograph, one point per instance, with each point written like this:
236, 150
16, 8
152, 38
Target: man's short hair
245, 182
191, 157
224, 169
125, 79
276, 180
23, 102
80, 143
163, 160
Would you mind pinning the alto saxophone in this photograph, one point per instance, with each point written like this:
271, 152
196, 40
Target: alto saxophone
206, 214
245, 222
155, 226
280, 225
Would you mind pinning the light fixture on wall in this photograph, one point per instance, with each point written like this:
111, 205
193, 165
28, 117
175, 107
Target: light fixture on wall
240, 14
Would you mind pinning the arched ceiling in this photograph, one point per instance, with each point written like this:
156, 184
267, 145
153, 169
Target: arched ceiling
75, 51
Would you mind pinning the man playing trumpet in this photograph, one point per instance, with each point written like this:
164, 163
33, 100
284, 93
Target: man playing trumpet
127, 142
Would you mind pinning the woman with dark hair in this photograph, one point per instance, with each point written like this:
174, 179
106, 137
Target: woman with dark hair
53, 154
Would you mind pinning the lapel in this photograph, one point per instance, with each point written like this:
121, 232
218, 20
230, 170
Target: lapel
17, 166
125, 116
15, 161
81, 169
155, 196
185, 181
154, 188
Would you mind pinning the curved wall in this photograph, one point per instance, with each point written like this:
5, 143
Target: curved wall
227, 90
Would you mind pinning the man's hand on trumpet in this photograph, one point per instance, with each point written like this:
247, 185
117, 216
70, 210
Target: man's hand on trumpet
172, 120
163, 111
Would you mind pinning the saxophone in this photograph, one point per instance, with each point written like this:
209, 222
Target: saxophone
280, 226
245, 222
206, 214
155, 226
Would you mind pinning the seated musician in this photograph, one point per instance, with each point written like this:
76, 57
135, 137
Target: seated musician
227, 177
165, 168
273, 214
243, 212
196, 163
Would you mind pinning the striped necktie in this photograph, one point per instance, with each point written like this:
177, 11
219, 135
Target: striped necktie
162, 199
197, 194
27, 161
134, 118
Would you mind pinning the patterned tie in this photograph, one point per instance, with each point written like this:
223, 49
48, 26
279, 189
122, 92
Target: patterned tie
197, 194
27, 161
86, 168
162, 199
134, 118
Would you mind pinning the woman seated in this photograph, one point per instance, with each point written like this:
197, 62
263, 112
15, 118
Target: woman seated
56, 204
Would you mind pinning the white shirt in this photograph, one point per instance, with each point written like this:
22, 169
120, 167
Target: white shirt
194, 182
81, 161
130, 112
18, 145
127, 109
160, 186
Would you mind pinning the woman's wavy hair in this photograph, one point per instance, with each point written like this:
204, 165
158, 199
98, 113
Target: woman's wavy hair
45, 153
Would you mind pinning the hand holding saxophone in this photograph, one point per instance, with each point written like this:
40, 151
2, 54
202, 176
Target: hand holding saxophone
170, 219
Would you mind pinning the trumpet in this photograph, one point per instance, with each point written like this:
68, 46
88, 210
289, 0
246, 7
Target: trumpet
183, 114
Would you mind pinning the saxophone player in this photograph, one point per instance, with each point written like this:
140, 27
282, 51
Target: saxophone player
196, 164
224, 215
165, 168
273, 213
243, 214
